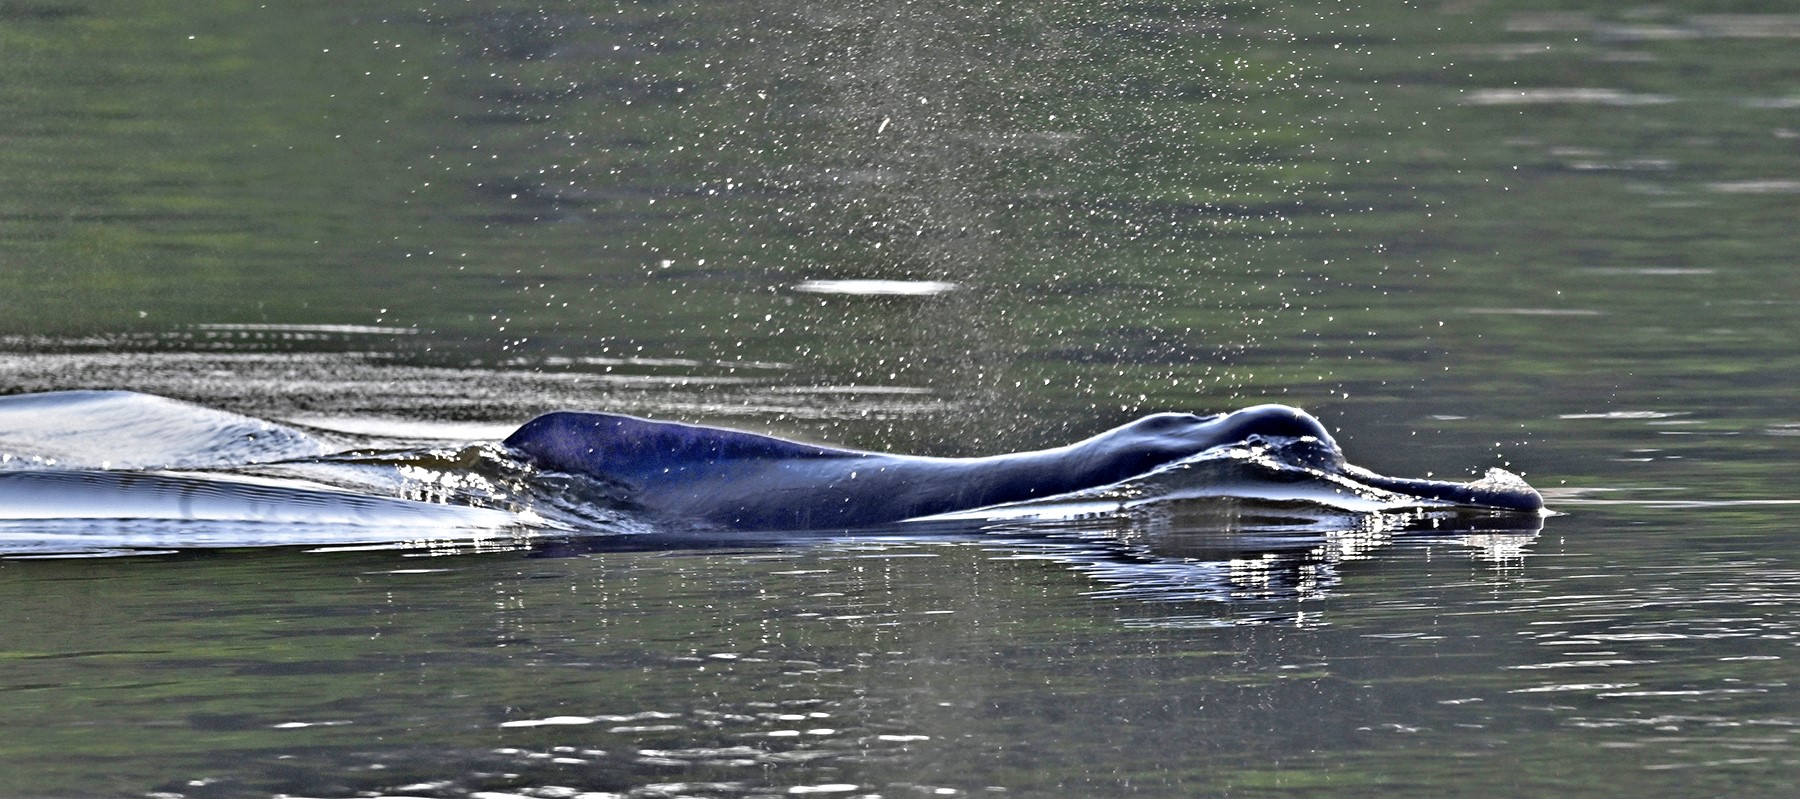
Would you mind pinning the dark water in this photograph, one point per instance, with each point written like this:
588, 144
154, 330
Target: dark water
1553, 237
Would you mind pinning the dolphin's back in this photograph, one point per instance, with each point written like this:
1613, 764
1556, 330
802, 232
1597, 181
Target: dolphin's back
627, 449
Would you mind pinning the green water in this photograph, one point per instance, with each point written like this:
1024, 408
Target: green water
1552, 236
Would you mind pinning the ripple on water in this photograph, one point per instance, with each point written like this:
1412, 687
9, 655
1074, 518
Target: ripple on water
903, 288
1695, 26
1563, 96
1680, 655
1759, 186
1557, 688
770, 738
360, 385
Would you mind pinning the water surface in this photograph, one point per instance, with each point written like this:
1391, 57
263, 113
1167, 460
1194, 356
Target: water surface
1555, 237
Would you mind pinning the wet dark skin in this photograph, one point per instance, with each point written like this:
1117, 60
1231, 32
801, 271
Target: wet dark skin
739, 480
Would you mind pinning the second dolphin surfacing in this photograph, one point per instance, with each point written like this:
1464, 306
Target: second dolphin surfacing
747, 481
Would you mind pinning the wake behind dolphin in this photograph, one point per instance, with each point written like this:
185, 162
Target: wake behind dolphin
132, 470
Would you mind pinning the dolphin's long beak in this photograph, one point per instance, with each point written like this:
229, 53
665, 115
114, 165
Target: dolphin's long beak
1499, 490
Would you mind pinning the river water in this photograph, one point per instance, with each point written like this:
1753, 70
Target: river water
1553, 237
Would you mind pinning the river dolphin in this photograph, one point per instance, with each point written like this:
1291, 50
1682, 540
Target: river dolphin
739, 480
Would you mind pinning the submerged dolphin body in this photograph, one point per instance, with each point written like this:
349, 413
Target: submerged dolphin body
746, 481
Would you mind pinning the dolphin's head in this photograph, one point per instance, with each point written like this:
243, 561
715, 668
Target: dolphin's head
1294, 438
1299, 437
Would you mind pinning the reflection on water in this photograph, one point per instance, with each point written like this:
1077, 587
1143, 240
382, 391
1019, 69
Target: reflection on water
1228, 552
890, 664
